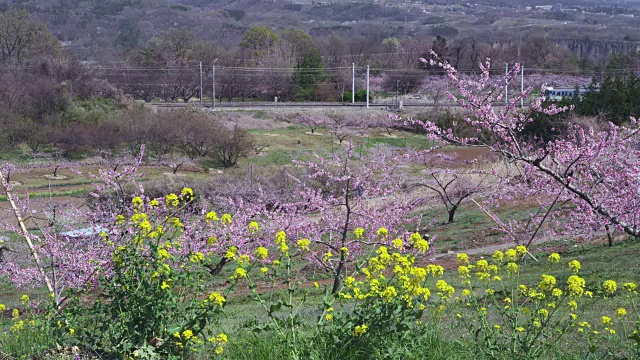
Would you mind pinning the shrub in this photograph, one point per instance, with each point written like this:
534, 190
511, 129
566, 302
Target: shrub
232, 145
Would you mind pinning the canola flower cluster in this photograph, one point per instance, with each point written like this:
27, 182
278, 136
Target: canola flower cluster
527, 312
159, 236
408, 281
392, 279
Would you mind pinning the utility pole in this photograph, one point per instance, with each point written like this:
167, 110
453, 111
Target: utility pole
397, 90
213, 86
367, 86
506, 84
353, 83
201, 86
522, 86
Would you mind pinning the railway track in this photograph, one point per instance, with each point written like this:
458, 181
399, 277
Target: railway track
272, 105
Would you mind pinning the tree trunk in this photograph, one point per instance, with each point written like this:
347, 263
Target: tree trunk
452, 213
215, 270
336, 276
609, 235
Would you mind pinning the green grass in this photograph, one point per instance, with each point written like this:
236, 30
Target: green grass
471, 228
438, 341
44, 195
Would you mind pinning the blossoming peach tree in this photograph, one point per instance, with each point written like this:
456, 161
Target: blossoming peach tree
594, 173
352, 190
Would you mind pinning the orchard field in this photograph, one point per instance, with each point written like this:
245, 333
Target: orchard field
474, 232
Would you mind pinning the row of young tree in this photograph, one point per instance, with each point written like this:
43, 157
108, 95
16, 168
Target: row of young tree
291, 65
287, 64
121, 131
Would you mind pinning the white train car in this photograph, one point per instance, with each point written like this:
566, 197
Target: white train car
559, 93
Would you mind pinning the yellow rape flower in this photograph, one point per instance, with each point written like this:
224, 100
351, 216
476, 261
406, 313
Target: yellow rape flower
547, 283
226, 219
216, 298
231, 253
119, 220
222, 338
544, 313
349, 281
261, 253
512, 268
15, 313
422, 245
610, 287
575, 265
389, 293
172, 200
464, 272
281, 241
327, 256
253, 226
511, 255
163, 254
187, 193
621, 312
24, 299
498, 256
445, 289
573, 305
382, 232
576, 285
154, 203
554, 258
176, 223
211, 216
630, 287
303, 244
521, 250
137, 202
523, 289
462, 259
397, 243
239, 273
197, 257
212, 240
605, 320
358, 232
435, 270
482, 265
3, 307
360, 330
187, 334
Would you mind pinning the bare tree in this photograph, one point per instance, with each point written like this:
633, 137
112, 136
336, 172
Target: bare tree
452, 184
21, 39
232, 145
